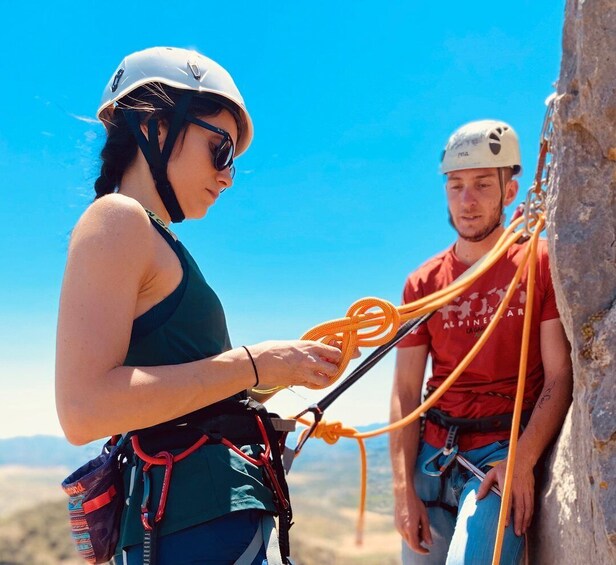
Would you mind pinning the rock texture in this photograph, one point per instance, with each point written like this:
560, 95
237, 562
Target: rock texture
578, 504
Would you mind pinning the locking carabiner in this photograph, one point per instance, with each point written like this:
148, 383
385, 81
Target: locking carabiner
449, 452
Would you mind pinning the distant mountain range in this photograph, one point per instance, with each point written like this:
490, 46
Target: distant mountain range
46, 451
56, 451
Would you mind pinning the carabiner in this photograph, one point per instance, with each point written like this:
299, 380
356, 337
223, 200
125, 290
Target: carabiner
449, 452
438, 470
317, 413
145, 512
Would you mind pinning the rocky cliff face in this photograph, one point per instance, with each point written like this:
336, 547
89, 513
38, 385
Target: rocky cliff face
578, 504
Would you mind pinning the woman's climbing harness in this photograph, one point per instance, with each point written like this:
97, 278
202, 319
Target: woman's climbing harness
230, 423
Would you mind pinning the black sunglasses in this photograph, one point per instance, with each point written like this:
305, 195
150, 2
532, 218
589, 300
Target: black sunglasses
224, 151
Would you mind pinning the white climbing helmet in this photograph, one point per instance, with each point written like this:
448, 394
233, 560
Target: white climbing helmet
482, 144
178, 68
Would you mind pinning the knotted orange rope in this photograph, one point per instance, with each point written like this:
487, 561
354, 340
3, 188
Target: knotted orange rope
331, 432
371, 322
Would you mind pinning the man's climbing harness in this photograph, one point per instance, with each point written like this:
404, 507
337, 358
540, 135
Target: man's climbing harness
374, 322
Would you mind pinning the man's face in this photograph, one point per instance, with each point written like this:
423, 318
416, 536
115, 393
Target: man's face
475, 202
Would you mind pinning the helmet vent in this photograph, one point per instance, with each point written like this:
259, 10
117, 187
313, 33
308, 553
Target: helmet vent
495, 146
194, 69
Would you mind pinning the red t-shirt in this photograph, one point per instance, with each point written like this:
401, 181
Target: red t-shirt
453, 330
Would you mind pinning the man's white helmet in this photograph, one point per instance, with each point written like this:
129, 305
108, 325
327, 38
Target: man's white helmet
482, 144
178, 68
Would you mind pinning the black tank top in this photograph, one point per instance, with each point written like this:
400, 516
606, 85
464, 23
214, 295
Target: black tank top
188, 325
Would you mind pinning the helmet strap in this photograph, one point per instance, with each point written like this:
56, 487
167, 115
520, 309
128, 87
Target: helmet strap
158, 160
501, 180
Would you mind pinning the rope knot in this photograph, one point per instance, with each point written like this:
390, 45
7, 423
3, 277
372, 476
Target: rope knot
331, 432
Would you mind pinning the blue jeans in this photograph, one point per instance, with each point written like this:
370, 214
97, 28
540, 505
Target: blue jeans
217, 542
468, 537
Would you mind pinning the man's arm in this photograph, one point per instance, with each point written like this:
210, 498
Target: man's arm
411, 517
546, 420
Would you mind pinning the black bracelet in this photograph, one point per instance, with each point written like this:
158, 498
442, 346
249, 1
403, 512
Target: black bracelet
254, 366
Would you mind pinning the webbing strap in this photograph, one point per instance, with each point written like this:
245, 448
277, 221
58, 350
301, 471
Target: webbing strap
156, 159
272, 545
284, 507
265, 535
499, 422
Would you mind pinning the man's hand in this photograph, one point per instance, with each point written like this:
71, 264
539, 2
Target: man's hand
411, 519
522, 491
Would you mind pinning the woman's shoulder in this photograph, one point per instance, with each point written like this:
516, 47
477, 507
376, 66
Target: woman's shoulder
114, 223
113, 216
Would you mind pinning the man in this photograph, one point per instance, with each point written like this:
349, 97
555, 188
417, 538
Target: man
444, 513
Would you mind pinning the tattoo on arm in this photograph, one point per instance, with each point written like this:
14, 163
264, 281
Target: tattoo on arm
546, 395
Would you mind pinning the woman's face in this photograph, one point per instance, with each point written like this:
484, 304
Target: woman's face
195, 180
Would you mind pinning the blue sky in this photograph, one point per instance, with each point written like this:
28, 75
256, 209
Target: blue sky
338, 198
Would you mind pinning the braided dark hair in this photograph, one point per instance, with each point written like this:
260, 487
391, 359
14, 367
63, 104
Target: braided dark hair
153, 100
119, 151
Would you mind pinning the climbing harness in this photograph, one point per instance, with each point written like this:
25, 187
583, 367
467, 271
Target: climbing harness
375, 322
499, 422
230, 423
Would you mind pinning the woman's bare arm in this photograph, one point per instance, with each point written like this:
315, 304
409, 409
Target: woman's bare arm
109, 264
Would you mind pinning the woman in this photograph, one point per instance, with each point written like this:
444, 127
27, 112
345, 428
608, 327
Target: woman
142, 338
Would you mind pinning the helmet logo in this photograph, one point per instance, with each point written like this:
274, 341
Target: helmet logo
116, 80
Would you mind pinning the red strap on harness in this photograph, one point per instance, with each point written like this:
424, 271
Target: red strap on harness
158, 460
167, 459
262, 461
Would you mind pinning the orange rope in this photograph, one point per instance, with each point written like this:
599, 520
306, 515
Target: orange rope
519, 397
388, 318
365, 328
331, 432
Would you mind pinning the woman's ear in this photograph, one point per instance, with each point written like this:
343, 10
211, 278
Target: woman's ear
162, 132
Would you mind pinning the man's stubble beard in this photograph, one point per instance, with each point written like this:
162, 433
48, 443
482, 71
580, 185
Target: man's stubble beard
495, 220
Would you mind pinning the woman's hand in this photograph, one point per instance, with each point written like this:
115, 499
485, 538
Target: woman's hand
286, 363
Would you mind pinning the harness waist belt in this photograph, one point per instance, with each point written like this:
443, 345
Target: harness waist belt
497, 423
239, 429
230, 419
